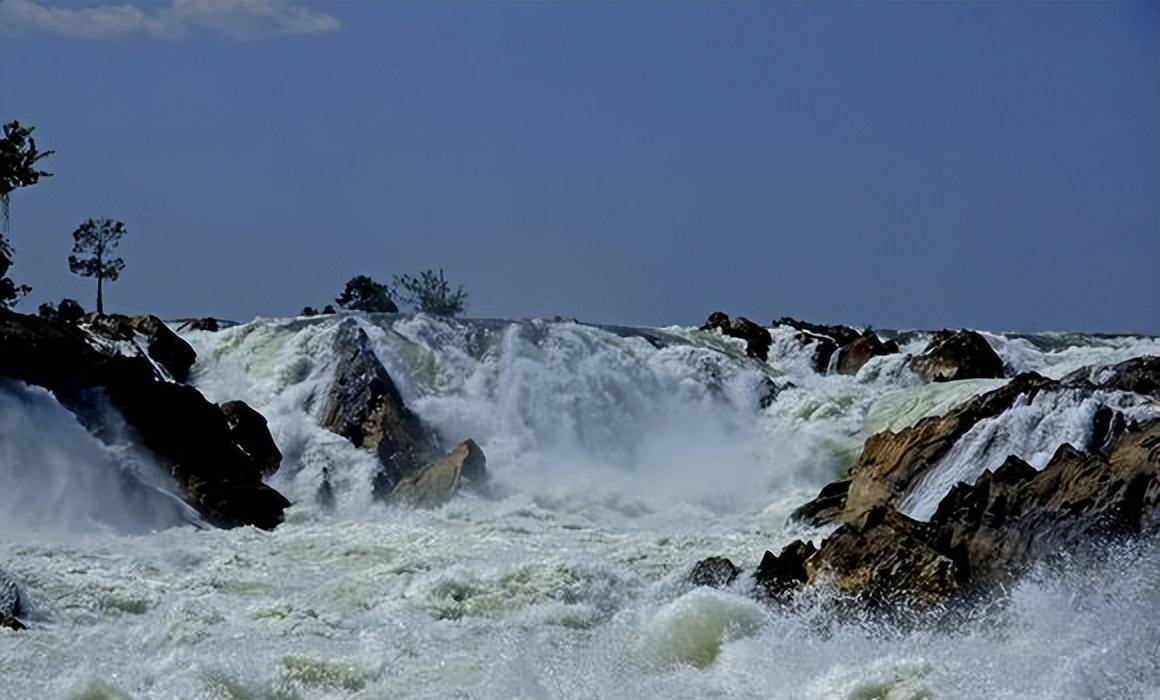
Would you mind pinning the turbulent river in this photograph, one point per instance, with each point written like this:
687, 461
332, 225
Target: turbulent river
618, 459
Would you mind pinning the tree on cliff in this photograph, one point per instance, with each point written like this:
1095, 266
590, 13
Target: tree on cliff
364, 294
431, 293
96, 239
18, 158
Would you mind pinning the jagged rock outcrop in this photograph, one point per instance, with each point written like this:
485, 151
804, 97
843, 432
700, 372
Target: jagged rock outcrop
1139, 375
853, 356
757, 339
778, 576
364, 406
162, 345
434, 484
984, 533
714, 572
769, 390
953, 355
891, 463
841, 335
186, 433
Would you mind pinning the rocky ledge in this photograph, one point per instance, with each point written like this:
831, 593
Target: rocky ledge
983, 533
216, 455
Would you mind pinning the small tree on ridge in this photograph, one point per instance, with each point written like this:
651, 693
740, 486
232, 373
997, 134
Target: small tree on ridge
96, 239
432, 294
364, 294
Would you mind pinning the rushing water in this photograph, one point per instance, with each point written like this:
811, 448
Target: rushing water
616, 465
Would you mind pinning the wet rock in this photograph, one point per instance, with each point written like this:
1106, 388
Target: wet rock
1107, 425
714, 572
841, 335
824, 349
770, 390
1140, 375
853, 356
826, 507
250, 432
12, 604
434, 484
70, 311
757, 339
957, 355
364, 406
162, 345
885, 557
780, 575
184, 432
891, 463
205, 324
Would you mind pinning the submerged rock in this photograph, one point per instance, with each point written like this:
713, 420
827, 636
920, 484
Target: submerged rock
435, 483
714, 572
325, 494
957, 355
12, 604
757, 339
364, 406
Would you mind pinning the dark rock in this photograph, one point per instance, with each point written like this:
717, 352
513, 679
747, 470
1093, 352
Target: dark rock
363, 405
250, 432
205, 324
1140, 375
12, 603
325, 494
757, 339
328, 310
70, 311
714, 572
186, 433
162, 345
1107, 425
434, 484
824, 349
957, 355
309, 311
826, 507
853, 356
841, 335
778, 576
770, 390
12, 623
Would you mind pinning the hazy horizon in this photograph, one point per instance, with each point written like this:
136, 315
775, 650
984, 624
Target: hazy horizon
901, 165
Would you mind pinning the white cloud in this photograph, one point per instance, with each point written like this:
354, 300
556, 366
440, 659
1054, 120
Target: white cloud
239, 19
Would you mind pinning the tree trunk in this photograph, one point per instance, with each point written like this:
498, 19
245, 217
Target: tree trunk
100, 296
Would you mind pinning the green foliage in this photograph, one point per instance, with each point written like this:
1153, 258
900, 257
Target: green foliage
96, 239
364, 294
432, 294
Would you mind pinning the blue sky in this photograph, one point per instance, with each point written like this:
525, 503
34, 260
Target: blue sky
904, 165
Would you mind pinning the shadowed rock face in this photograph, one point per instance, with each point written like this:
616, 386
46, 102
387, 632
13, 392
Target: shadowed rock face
11, 603
841, 335
364, 406
184, 431
780, 575
757, 339
957, 355
1140, 375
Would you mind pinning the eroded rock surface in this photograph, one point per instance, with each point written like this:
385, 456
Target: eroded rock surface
953, 355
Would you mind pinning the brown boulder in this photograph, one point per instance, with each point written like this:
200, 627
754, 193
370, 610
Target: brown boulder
434, 484
250, 432
780, 575
841, 335
855, 355
957, 355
